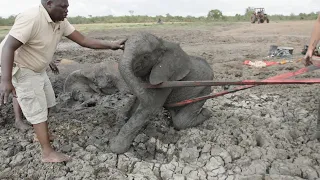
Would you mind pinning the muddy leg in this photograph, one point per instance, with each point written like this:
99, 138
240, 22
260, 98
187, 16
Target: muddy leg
121, 143
19, 124
191, 115
48, 154
126, 112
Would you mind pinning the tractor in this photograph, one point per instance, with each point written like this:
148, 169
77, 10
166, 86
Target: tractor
259, 16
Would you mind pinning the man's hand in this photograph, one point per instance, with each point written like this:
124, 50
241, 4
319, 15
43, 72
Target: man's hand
54, 68
307, 58
5, 89
118, 44
83, 41
7, 59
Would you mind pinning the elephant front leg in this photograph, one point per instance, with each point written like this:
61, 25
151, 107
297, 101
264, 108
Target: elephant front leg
121, 143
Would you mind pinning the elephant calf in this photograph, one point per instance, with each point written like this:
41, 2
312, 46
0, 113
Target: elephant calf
149, 59
96, 79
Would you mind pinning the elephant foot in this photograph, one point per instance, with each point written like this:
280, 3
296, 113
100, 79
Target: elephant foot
184, 121
205, 113
120, 145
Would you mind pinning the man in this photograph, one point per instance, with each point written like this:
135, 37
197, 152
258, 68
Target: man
315, 37
26, 52
19, 124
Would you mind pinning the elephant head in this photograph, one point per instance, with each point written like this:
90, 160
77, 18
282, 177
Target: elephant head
154, 59
102, 78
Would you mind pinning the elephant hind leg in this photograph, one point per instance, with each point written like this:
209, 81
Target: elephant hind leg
191, 115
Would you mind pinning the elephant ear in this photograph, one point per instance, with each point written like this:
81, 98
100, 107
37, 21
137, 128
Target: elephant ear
173, 65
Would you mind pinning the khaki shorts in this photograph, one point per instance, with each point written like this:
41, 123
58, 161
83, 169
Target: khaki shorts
35, 94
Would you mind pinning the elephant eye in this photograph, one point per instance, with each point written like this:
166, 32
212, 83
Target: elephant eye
146, 56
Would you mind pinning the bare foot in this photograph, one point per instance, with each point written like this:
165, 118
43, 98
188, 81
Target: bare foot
55, 157
19, 124
51, 138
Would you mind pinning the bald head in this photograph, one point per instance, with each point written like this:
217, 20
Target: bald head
57, 9
45, 1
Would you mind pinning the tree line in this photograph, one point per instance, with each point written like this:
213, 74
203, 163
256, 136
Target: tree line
212, 16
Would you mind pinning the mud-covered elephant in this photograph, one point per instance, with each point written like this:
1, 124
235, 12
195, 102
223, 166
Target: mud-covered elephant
100, 79
84, 84
149, 59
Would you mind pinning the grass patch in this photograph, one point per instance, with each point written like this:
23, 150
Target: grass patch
4, 31
85, 28
107, 26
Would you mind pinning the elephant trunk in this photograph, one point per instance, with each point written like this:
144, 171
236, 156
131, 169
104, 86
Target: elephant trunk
125, 69
133, 82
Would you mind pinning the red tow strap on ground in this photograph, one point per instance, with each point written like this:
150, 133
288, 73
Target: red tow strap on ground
173, 84
278, 77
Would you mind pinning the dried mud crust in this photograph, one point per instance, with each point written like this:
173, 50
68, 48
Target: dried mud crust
260, 133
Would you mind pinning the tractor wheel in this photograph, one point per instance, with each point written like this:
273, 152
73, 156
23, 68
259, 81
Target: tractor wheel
261, 20
253, 19
267, 20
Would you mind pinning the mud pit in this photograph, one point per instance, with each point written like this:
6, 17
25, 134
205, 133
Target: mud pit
260, 133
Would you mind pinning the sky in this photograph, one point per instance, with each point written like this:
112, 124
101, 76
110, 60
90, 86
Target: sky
162, 7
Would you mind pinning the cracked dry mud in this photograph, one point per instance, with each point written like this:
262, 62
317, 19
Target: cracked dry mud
260, 133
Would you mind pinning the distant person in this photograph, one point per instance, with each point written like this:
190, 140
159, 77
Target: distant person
159, 21
26, 53
315, 37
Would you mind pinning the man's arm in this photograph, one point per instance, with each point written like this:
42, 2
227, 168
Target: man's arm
83, 41
315, 37
7, 58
